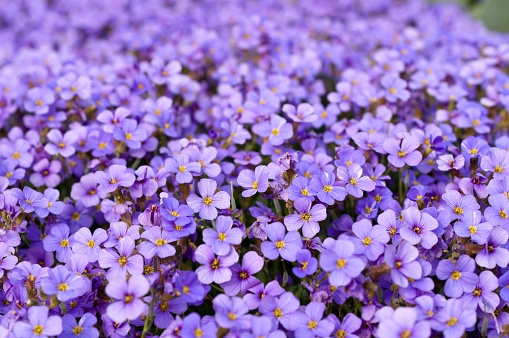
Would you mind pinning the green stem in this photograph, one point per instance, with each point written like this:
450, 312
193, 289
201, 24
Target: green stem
150, 315
278, 207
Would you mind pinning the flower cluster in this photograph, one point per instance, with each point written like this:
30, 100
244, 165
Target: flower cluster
247, 169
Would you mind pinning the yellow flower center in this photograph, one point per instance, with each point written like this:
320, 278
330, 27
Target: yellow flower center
160, 241
305, 216
128, 299
456, 275
476, 122
232, 316
174, 213
122, 260
398, 264
401, 153
498, 169
164, 306
304, 192
405, 334
341, 263
472, 229
64, 243
392, 90
353, 181
182, 168
280, 245
477, 292
63, 286
275, 132
215, 264
38, 330
458, 210
312, 324
366, 241
102, 145
61, 145
77, 330
76, 216
185, 289
198, 333
128, 136
16, 155
341, 334
452, 321
221, 236
255, 185
473, 151
243, 275
207, 200
327, 188
278, 313
502, 214
91, 243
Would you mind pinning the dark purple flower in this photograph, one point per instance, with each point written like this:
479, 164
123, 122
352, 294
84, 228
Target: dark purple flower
86, 191
418, 228
82, 328
307, 263
494, 253
242, 276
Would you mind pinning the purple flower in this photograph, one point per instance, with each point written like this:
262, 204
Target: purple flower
395, 88
39, 324
7, 259
353, 180
456, 204
324, 188
482, 294
254, 182
194, 326
304, 113
38, 100
403, 323
498, 211
83, 328
455, 318
471, 226
404, 151
418, 228
223, 237
280, 309
64, 284
87, 244
259, 291
175, 212
214, 269
307, 219
113, 177
157, 243
370, 240
49, 204
27, 198
112, 120
497, 162
449, 162
277, 130
231, 313
307, 263
493, 253
180, 165
459, 275
503, 282
311, 324
120, 263
351, 323
210, 200
403, 264
281, 244
46, 173
340, 261
129, 304
61, 144
58, 240
130, 133
242, 276
86, 191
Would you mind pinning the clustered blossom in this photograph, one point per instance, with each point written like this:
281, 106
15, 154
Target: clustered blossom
268, 168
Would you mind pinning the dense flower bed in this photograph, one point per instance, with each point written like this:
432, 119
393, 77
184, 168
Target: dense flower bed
252, 169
